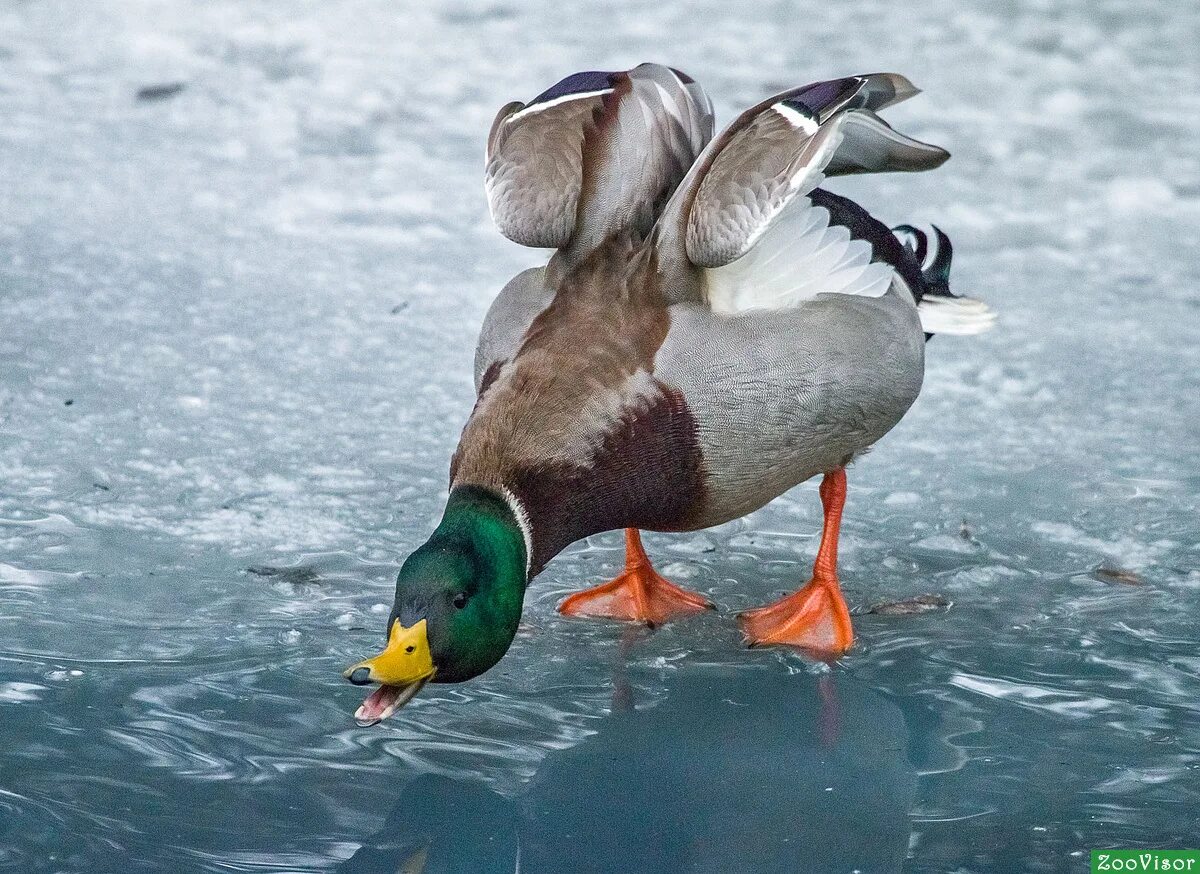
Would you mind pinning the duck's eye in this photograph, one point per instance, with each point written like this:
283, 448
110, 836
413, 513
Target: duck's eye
460, 600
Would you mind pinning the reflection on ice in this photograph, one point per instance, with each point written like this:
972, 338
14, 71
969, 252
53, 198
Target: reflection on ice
776, 772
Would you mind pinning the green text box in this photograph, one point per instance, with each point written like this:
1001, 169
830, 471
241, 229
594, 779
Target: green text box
1146, 860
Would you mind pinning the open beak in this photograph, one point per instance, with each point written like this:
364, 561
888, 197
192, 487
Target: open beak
402, 669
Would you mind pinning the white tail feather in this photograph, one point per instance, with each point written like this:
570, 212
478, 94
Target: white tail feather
954, 315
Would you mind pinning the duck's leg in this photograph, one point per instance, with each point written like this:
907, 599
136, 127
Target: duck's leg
816, 617
639, 594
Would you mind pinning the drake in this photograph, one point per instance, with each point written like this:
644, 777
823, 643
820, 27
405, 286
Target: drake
712, 329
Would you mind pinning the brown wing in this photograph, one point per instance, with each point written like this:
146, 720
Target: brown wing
597, 154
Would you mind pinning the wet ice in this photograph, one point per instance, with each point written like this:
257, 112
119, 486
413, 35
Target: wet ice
259, 295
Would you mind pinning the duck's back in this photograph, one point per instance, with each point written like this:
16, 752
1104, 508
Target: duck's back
679, 417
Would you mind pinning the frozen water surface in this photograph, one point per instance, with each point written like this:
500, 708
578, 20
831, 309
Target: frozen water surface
235, 342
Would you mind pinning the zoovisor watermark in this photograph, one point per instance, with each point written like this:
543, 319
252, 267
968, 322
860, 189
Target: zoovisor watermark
1146, 860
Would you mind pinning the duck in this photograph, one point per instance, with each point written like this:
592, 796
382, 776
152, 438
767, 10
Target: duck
712, 329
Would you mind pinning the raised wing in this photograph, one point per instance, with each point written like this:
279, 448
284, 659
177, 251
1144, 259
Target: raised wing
743, 212
595, 155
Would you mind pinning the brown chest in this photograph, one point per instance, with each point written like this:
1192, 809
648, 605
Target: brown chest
579, 430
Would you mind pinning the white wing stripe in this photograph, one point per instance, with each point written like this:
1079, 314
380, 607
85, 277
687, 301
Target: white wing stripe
796, 119
554, 101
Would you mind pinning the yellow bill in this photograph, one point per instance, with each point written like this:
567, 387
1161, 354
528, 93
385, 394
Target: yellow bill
402, 669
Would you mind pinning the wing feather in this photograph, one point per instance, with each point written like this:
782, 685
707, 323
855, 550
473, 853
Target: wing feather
744, 216
597, 154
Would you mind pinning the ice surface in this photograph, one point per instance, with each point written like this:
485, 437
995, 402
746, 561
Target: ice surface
236, 321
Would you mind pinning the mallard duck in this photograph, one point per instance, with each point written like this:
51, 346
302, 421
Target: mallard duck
712, 329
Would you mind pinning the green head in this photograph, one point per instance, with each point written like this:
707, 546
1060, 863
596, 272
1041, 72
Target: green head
458, 603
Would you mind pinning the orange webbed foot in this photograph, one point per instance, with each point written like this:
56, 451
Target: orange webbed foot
639, 594
815, 618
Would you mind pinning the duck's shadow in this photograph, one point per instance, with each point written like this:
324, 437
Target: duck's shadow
735, 771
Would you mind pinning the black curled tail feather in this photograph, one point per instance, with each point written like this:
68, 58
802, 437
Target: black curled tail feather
933, 252
941, 311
